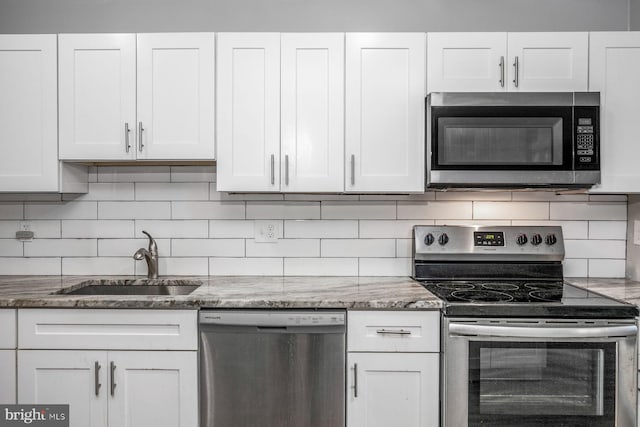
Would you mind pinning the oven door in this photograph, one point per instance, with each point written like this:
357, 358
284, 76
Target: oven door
531, 373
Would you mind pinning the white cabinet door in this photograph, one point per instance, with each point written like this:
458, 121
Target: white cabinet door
614, 67
384, 112
8, 376
248, 112
393, 389
97, 84
154, 389
466, 62
312, 112
548, 62
28, 113
176, 76
66, 377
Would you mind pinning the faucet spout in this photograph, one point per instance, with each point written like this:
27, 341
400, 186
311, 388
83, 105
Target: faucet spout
150, 255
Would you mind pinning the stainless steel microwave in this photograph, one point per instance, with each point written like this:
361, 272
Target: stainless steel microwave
513, 140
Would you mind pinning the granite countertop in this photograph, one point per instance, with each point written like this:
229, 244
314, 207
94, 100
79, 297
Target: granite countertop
226, 292
620, 289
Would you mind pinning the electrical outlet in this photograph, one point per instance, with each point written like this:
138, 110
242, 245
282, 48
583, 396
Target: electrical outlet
266, 231
24, 232
636, 232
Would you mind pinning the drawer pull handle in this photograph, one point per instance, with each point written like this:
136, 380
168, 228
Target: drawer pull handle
355, 380
113, 378
393, 332
97, 378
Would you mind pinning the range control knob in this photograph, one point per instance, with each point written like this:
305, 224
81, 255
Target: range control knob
536, 239
428, 239
521, 239
550, 239
443, 239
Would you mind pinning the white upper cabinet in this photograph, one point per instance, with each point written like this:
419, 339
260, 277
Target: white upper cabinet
548, 62
312, 121
176, 96
614, 70
494, 62
466, 62
248, 112
145, 96
28, 113
384, 112
97, 80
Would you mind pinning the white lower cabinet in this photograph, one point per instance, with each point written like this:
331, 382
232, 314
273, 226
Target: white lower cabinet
8, 375
393, 368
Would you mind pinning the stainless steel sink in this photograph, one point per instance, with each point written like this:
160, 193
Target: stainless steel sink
133, 287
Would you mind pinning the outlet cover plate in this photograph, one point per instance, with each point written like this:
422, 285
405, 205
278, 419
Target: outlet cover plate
267, 231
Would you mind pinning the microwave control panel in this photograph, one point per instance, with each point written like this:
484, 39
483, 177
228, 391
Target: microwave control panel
587, 147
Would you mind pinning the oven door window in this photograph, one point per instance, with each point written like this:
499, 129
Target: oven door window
538, 383
514, 138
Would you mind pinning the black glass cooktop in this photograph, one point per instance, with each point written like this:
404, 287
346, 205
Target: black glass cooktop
525, 299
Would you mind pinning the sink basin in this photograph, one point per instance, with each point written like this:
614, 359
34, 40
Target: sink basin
133, 287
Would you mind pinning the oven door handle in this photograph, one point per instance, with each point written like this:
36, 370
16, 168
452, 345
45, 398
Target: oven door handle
536, 332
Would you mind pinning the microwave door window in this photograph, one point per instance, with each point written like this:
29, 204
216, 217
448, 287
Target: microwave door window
491, 141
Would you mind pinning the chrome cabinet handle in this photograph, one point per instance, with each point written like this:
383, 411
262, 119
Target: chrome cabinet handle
140, 130
355, 380
273, 172
501, 71
393, 332
127, 146
113, 378
96, 382
516, 66
286, 169
353, 169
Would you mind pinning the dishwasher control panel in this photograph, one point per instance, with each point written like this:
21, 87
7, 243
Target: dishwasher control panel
280, 318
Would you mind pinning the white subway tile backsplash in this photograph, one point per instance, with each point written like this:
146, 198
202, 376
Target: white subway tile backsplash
511, 210
606, 268
386, 229
404, 248
245, 266
547, 196
385, 266
193, 174
473, 222
608, 230
197, 229
98, 266
358, 210
157, 191
338, 229
232, 228
134, 210
283, 210
97, 229
607, 197
347, 248
570, 229
321, 266
61, 210
208, 210
207, 247
434, 210
575, 267
105, 191
49, 266
284, 248
589, 210
11, 247
45, 229
595, 249
178, 267
136, 173
127, 247
61, 247
473, 195
11, 210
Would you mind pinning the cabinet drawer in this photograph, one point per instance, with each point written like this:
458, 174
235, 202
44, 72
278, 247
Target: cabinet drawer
108, 329
7, 329
393, 331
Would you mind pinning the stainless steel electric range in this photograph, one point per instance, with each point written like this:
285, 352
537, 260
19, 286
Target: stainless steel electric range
521, 347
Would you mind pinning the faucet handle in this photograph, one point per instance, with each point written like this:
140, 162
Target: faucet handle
153, 248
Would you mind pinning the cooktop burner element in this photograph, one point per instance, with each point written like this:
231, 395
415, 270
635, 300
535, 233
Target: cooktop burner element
505, 271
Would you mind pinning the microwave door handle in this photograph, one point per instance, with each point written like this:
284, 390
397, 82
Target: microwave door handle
542, 332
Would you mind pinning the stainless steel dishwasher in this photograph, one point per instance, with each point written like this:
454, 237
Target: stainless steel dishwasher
283, 368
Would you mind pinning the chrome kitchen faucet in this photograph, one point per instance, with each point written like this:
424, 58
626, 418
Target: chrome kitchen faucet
150, 255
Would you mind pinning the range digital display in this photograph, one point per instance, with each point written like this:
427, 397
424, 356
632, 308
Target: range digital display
488, 238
